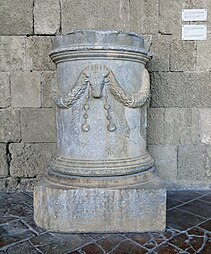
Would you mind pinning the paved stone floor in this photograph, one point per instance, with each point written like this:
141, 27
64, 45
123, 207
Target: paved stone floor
188, 230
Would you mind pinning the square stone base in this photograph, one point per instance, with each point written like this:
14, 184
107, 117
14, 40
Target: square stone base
130, 209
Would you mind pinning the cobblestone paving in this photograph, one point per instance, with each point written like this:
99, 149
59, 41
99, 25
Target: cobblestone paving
188, 230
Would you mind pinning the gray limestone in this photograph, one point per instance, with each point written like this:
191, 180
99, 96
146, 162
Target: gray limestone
29, 160
183, 55
3, 161
16, 17
25, 89
46, 78
46, 16
38, 125
181, 89
36, 57
12, 53
102, 179
194, 162
135, 209
10, 128
5, 97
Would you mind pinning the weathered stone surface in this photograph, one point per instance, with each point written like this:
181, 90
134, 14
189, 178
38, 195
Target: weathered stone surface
38, 125
203, 51
3, 161
25, 89
5, 98
46, 78
37, 53
155, 128
10, 125
95, 14
170, 16
161, 52
165, 157
181, 126
194, 163
183, 55
16, 17
181, 89
12, 53
148, 25
205, 126
30, 160
138, 209
46, 16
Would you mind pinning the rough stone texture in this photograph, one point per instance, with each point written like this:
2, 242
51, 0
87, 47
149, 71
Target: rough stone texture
181, 89
95, 14
161, 52
156, 117
165, 157
170, 16
5, 98
10, 126
100, 210
3, 161
38, 125
181, 126
203, 62
25, 89
194, 162
205, 126
16, 17
46, 16
12, 53
37, 53
30, 160
46, 78
183, 55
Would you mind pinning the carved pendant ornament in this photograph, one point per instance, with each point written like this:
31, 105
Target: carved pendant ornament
92, 81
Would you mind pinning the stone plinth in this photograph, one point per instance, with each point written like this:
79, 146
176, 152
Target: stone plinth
102, 178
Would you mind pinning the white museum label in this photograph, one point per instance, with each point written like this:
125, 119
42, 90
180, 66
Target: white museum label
194, 15
194, 32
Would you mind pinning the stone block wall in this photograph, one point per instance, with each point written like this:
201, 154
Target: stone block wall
179, 117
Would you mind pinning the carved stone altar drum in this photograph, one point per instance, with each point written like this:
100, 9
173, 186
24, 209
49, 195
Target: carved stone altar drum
102, 178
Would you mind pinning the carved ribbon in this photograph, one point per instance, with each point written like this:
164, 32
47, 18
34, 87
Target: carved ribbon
127, 99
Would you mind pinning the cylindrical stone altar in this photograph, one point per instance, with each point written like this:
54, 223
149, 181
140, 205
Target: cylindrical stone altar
102, 179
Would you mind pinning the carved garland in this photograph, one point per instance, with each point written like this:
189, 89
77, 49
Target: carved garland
103, 77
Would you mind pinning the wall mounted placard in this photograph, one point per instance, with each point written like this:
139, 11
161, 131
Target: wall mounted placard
194, 32
194, 15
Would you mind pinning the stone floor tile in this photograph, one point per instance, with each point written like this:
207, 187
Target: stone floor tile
196, 231
110, 242
206, 225
182, 220
181, 241
184, 196
59, 243
198, 207
129, 247
29, 220
167, 249
23, 248
172, 203
206, 249
91, 249
206, 198
19, 210
140, 238
13, 232
6, 219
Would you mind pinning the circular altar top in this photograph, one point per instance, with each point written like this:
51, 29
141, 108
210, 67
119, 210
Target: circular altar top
101, 41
